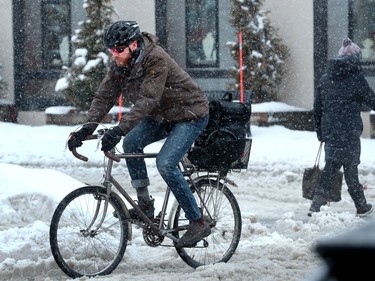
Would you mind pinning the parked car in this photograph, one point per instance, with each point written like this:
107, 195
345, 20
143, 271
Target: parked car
347, 255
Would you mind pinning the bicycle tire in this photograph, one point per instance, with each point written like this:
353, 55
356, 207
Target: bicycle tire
226, 233
79, 253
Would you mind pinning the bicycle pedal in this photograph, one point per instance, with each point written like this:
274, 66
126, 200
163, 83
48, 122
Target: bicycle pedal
204, 241
136, 224
191, 246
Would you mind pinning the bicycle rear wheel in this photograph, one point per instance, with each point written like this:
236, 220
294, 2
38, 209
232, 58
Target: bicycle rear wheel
227, 224
77, 247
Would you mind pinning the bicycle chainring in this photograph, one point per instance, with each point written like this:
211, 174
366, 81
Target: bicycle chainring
152, 239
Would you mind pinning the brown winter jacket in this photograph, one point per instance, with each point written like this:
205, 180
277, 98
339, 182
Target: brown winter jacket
157, 87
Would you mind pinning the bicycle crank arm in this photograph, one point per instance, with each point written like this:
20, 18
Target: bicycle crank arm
170, 236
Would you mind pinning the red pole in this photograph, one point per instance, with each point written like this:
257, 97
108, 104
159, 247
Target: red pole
120, 108
241, 68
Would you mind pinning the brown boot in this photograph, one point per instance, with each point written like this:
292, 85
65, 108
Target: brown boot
196, 232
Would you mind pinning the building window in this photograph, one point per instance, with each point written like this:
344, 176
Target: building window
363, 27
55, 33
202, 33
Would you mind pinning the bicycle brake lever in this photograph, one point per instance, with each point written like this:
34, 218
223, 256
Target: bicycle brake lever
100, 136
111, 156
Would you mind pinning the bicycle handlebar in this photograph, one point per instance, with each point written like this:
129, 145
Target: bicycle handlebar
84, 158
111, 156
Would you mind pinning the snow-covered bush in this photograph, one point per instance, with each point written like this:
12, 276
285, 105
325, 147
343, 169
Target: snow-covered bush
263, 51
89, 61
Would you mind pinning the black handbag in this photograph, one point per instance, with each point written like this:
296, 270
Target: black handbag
311, 178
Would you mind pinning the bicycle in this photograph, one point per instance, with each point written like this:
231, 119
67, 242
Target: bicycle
91, 226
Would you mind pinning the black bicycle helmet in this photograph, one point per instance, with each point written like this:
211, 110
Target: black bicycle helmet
121, 33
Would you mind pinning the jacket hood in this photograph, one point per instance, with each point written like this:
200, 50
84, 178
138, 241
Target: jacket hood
150, 41
340, 68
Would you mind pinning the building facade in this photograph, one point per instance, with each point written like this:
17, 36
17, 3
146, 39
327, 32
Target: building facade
35, 43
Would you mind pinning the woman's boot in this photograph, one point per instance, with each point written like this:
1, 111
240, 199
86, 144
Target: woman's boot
359, 199
317, 202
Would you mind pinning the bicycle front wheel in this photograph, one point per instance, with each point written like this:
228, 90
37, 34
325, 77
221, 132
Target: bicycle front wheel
219, 202
79, 244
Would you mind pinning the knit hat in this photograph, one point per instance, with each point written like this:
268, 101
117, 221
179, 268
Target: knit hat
349, 49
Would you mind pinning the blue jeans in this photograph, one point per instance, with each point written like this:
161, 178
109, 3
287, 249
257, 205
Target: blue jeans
179, 138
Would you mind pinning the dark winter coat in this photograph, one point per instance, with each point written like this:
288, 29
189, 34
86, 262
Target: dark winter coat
342, 92
156, 86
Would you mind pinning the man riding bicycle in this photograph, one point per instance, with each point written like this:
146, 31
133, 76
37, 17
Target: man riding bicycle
167, 103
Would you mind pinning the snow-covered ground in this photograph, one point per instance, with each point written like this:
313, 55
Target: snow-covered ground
278, 237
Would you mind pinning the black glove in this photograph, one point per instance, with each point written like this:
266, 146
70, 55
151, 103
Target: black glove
76, 138
111, 138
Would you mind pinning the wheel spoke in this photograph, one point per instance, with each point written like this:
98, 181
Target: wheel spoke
80, 250
220, 203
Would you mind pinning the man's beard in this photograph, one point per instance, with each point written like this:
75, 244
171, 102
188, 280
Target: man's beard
121, 63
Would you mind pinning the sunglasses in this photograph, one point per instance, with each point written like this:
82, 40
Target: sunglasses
117, 50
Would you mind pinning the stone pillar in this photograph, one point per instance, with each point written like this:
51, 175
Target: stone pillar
366, 124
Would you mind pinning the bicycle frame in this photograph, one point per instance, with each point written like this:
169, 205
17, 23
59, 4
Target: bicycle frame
109, 180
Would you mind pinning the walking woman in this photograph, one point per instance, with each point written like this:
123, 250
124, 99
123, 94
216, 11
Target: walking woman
342, 92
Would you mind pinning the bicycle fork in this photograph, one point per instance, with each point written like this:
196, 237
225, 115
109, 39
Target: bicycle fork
91, 233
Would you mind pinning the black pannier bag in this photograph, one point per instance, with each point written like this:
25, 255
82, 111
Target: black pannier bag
224, 144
